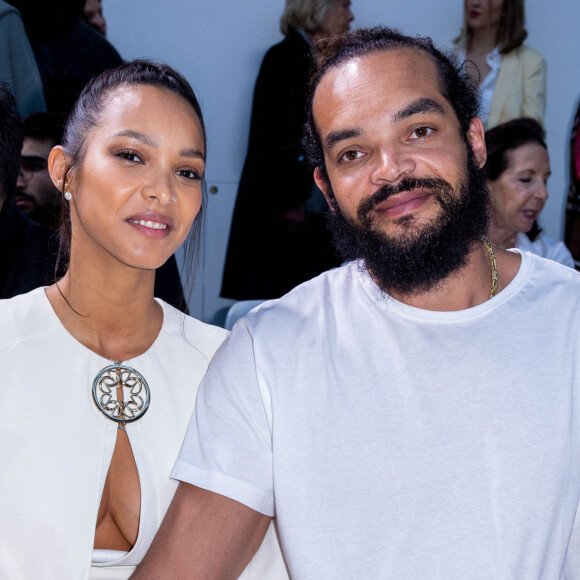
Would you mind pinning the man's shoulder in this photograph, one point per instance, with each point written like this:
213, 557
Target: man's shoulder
325, 292
546, 276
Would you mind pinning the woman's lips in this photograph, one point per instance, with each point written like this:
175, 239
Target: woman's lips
151, 224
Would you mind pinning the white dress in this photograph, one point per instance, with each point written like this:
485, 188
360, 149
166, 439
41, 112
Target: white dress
56, 447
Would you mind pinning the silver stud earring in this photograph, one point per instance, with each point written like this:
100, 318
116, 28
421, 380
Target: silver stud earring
68, 195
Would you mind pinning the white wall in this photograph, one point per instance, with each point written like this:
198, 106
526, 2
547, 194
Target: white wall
219, 45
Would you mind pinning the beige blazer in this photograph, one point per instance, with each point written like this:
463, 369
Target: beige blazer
520, 90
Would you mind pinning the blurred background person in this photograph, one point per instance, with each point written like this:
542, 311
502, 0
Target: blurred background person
35, 192
28, 249
68, 51
17, 63
278, 237
93, 13
511, 76
517, 169
572, 230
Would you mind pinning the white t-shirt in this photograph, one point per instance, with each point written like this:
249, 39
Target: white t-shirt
546, 247
398, 443
56, 447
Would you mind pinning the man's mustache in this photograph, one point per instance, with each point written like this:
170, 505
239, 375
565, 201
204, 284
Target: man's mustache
435, 184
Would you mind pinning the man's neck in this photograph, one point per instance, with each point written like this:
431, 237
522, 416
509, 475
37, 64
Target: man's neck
468, 286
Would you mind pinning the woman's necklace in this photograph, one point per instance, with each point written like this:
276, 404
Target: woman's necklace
121, 393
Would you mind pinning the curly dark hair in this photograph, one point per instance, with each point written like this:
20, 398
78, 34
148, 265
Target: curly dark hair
333, 51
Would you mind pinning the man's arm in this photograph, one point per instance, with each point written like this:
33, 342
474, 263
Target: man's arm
204, 536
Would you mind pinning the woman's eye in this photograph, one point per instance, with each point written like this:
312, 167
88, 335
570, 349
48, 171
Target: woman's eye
130, 156
351, 155
188, 173
525, 179
421, 132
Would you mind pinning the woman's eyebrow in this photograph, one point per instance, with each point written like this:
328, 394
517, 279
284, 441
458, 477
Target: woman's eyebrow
144, 138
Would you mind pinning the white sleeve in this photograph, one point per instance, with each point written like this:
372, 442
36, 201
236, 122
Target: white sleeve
228, 445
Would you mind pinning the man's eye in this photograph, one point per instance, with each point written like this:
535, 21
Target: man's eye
421, 132
351, 155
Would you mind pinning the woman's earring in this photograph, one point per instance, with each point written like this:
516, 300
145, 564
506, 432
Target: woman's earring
68, 195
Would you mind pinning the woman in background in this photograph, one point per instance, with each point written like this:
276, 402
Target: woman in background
278, 237
511, 76
99, 378
518, 168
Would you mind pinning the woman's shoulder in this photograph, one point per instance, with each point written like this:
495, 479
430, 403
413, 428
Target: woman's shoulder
526, 53
201, 336
24, 315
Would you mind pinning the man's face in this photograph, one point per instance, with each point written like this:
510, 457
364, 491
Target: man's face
35, 192
398, 166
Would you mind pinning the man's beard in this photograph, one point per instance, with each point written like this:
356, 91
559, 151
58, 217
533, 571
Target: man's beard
419, 258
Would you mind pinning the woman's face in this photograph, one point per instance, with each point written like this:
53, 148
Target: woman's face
482, 14
139, 188
518, 195
337, 18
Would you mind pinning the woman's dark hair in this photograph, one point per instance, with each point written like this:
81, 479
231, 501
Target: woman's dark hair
86, 114
511, 32
507, 137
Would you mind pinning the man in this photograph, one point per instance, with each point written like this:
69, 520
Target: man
399, 416
93, 14
36, 195
27, 249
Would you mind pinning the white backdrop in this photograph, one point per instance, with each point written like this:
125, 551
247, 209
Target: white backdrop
219, 45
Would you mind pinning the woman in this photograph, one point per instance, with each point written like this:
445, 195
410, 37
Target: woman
511, 75
98, 377
518, 168
278, 237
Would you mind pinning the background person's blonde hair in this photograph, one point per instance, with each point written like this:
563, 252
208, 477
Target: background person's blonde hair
304, 15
